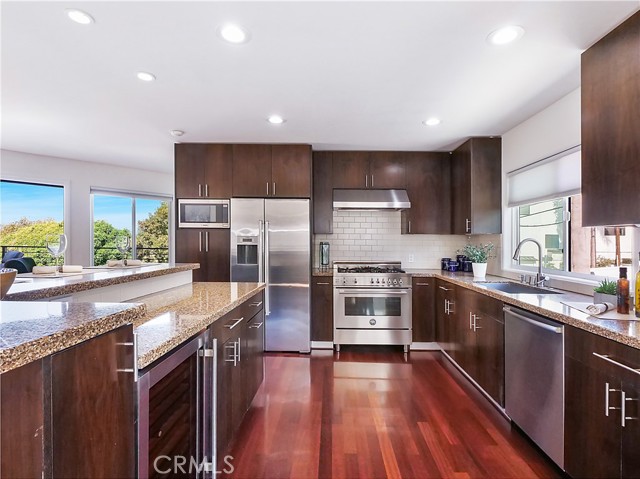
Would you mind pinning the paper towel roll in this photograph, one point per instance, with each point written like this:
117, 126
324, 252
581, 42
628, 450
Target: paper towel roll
71, 268
43, 269
134, 262
114, 262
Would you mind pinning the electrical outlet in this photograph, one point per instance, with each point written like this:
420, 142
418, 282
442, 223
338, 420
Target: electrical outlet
411, 258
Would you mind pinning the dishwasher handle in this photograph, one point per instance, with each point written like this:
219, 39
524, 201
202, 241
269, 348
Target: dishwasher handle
547, 327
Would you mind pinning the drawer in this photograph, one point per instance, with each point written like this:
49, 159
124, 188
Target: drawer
488, 306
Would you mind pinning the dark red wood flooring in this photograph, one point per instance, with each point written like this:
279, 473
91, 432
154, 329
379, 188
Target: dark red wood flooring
376, 413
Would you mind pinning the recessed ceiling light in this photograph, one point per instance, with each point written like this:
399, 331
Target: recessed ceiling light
146, 76
432, 121
79, 16
276, 120
233, 33
176, 132
505, 35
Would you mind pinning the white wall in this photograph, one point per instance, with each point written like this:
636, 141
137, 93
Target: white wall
375, 236
78, 177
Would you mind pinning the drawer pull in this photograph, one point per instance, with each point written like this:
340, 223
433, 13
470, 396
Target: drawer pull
231, 326
256, 305
324, 284
422, 284
623, 412
623, 366
443, 288
256, 326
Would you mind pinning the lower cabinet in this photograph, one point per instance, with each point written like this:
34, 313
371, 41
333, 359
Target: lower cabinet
602, 396
423, 309
446, 327
71, 414
252, 360
322, 308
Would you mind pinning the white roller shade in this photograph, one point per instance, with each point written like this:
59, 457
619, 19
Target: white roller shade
553, 177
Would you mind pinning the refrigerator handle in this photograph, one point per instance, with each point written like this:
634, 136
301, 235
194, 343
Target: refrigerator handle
260, 251
266, 268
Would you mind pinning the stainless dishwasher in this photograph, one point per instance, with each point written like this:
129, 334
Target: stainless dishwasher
534, 378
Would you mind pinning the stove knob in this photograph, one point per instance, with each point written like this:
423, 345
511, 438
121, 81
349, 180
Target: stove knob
371, 280
355, 280
344, 280
377, 281
400, 281
395, 281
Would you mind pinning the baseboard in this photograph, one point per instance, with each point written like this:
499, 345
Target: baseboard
424, 346
321, 344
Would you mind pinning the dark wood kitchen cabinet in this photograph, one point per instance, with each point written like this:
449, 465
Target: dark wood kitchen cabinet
446, 317
22, 419
476, 182
602, 396
610, 124
423, 309
169, 413
322, 192
202, 170
210, 248
429, 189
272, 171
480, 350
93, 408
252, 357
369, 169
322, 308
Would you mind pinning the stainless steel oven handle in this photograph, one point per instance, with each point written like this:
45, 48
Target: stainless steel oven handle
267, 273
372, 291
260, 251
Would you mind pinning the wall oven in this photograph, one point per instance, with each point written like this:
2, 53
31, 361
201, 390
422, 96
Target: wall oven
371, 304
203, 213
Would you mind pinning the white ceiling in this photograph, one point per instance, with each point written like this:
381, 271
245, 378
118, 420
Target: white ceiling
354, 75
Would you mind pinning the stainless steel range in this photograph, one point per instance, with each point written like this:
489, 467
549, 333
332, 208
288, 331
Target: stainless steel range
371, 304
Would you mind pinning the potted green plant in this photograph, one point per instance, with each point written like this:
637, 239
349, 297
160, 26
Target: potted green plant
606, 292
478, 255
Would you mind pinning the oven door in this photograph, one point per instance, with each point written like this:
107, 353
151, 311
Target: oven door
372, 308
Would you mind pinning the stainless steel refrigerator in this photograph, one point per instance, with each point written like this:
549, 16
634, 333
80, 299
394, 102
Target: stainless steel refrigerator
270, 243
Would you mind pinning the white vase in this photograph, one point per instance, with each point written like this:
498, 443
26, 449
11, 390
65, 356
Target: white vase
479, 270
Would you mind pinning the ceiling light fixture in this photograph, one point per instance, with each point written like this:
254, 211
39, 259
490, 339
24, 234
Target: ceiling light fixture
276, 120
432, 121
233, 33
78, 16
145, 76
505, 35
176, 132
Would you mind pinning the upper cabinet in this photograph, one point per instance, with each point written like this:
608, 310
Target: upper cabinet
476, 183
272, 171
429, 190
611, 126
202, 170
322, 192
369, 169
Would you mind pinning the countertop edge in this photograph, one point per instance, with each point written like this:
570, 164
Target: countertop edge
30, 351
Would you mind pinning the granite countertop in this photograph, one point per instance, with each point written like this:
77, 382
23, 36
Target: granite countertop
33, 289
625, 331
32, 330
175, 315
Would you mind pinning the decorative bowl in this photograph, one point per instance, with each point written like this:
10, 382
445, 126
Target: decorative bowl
7, 276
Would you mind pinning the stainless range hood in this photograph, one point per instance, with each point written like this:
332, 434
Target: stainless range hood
370, 200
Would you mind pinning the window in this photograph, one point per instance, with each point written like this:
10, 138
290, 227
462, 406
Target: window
28, 213
144, 220
566, 245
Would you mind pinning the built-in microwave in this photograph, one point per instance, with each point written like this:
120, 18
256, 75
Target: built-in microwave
203, 213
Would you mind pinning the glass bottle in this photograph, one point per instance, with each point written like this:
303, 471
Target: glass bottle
623, 292
638, 289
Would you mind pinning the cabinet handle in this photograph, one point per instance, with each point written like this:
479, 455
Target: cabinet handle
470, 320
238, 350
200, 241
256, 326
608, 359
134, 369
267, 188
422, 284
256, 305
623, 406
475, 323
443, 288
372, 180
467, 226
325, 284
607, 390
366, 181
409, 226
234, 356
199, 189
231, 326
274, 188
206, 189
206, 241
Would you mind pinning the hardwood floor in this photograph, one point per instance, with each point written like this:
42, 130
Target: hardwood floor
368, 413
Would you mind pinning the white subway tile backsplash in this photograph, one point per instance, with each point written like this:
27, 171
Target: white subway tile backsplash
375, 235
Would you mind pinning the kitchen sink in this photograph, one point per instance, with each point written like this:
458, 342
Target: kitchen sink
516, 288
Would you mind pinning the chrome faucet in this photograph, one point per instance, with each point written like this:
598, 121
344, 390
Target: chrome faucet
539, 278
